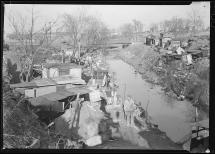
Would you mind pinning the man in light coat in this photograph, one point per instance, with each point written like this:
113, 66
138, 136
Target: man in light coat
129, 107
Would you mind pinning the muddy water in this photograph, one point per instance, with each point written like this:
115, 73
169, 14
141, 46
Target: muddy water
172, 116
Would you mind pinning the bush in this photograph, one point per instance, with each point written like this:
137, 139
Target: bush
19, 123
197, 90
201, 68
150, 59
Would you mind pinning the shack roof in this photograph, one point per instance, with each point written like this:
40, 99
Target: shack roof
151, 36
23, 85
59, 95
193, 51
51, 98
49, 82
61, 65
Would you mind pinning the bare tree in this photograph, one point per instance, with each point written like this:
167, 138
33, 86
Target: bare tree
138, 27
84, 30
31, 41
127, 31
176, 25
196, 20
187, 25
154, 27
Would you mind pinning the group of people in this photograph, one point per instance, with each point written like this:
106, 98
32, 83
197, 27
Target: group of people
128, 108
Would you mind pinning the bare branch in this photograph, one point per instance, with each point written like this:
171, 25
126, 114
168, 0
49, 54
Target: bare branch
28, 39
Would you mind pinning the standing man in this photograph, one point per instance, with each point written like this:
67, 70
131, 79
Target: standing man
129, 108
104, 80
76, 104
108, 80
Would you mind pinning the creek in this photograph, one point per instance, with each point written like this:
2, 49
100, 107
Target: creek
173, 117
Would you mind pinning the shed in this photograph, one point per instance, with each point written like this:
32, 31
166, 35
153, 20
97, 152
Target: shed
195, 53
52, 102
48, 82
150, 39
51, 70
42, 87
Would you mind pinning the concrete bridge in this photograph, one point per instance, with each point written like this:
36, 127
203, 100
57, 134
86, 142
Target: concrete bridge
109, 45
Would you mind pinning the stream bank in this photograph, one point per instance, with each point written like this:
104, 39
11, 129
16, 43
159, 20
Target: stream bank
177, 80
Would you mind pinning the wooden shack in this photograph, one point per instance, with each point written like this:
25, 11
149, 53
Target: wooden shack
45, 86
150, 40
51, 70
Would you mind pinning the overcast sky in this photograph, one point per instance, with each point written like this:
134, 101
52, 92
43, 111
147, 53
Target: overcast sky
113, 15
